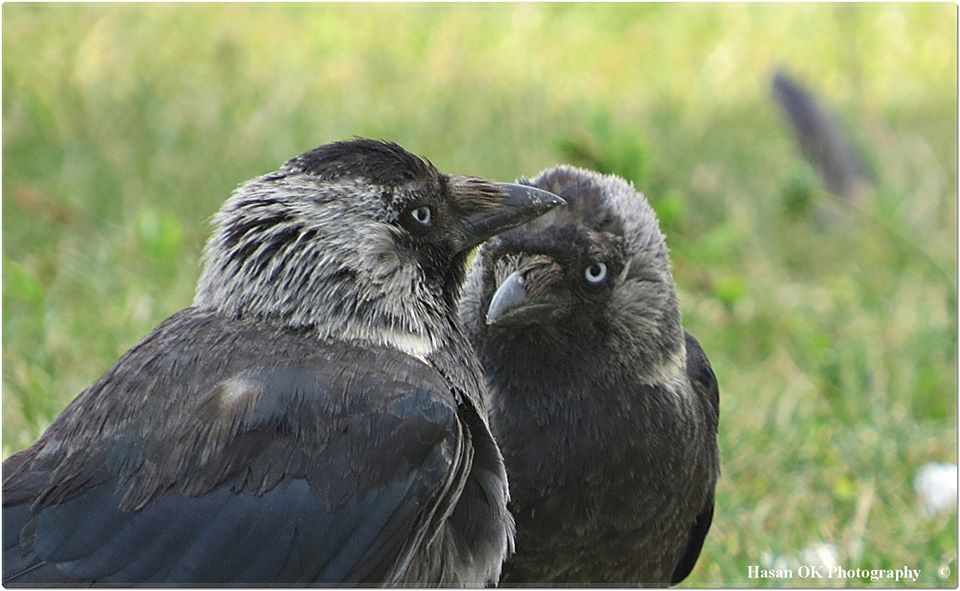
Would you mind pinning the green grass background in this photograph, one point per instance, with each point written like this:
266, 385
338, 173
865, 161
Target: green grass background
831, 325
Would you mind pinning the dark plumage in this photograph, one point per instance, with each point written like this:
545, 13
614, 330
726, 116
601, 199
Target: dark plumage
315, 418
605, 408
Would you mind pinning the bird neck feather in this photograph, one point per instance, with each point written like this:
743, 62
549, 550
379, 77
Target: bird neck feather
322, 267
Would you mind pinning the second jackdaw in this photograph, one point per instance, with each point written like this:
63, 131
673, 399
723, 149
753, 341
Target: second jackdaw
605, 408
315, 418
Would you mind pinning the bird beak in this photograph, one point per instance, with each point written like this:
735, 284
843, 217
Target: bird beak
511, 304
521, 205
508, 296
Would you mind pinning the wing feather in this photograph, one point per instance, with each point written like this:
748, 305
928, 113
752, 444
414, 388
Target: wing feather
270, 458
704, 383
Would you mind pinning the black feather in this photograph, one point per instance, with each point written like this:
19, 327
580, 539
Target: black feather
338, 460
821, 139
380, 162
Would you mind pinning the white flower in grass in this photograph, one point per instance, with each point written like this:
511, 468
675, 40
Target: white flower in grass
936, 485
771, 561
820, 554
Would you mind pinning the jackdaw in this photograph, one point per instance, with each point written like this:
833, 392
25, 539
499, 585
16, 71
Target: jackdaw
315, 418
605, 408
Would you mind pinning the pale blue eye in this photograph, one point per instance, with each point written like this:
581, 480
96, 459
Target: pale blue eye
421, 215
596, 272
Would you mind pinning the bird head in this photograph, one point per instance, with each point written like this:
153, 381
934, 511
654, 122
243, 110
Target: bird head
357, 239
592, 275
560, 273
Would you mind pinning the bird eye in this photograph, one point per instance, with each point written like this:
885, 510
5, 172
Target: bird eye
596, 272
421, 215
